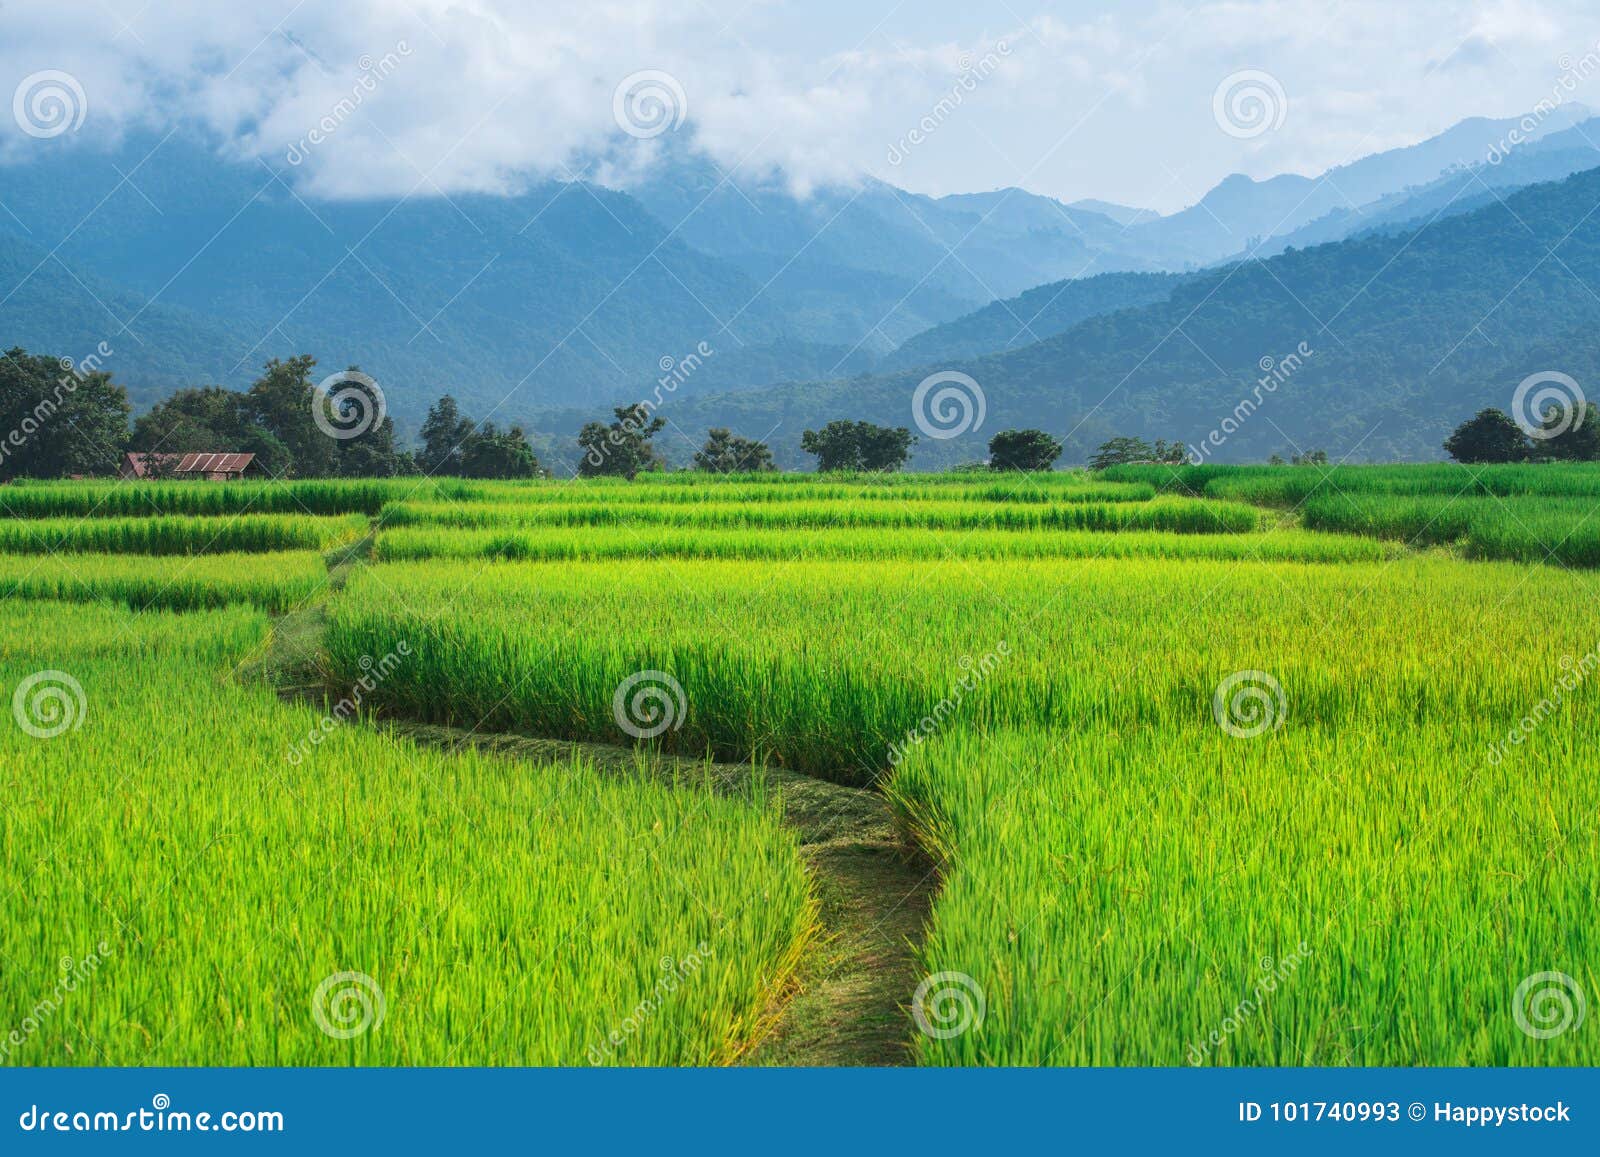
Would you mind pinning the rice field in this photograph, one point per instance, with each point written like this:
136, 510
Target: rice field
180, 534
275, 582
1209, 765
247, 887
1180, 515
787, 543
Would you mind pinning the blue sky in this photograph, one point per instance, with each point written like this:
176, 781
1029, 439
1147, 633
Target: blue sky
1072, 99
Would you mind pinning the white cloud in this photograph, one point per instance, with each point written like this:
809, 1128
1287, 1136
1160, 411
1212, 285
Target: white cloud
488, 94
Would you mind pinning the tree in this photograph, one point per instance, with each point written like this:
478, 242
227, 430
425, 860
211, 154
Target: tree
1580, 442
208, 418
1031, 450
1126, 451
623, 448
863, 446
444, 432
1488, 436
1310, 458
282, 401
727, 453
364, 446
56, 419
491, 453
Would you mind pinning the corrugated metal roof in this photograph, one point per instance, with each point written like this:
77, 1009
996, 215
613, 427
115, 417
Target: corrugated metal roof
191, 463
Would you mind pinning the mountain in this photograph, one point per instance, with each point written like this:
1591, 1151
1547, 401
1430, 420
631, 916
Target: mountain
965, 248
1030, 317
1407, 334
1238, 210
569, 294
1551, 158
49, 308
573, 296
1121, 214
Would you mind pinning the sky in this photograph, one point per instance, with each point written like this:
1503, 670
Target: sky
1141, 103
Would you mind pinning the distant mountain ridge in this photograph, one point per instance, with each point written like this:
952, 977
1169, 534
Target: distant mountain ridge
1408, 334
573, 297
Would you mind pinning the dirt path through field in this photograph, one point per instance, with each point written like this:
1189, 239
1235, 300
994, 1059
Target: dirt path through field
847, 1003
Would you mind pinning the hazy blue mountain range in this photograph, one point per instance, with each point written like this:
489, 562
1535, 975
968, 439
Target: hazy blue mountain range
1228, 218
1460, 190
1030, 317
569, 294
1410, 333
1121, 214
571, 297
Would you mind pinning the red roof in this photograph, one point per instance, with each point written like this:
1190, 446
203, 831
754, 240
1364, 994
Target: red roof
203, 463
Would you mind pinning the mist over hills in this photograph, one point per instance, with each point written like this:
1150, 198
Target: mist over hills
569, 297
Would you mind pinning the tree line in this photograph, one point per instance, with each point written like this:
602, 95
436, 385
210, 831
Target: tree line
1564, 434
64, 419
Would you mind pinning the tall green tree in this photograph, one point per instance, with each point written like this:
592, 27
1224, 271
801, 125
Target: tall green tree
444, 431
622, 448
1126, 451
56, 420
1031, 450
863, 446
1490, 435
283, 402
1580, 441
727, 453
489, 452
366, 447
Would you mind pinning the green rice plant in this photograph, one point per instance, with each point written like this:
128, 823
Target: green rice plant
1181, 515
806, 488
180, 534
274, 582
1288, 486
828, 665
124, 499
543, 544
1560, 530
1371, 894
227, 881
